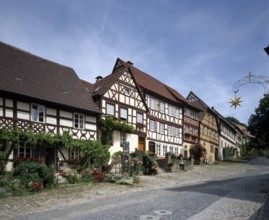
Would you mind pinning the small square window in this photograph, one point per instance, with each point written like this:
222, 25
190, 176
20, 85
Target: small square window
38, 113
127, 91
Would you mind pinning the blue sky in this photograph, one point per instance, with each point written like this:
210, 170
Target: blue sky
190, 45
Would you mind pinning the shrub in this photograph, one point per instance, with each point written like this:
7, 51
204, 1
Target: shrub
197, 151
31, 172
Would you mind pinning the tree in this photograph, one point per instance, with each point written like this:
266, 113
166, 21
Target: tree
197, 151
258, 124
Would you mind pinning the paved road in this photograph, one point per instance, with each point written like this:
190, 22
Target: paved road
237, 197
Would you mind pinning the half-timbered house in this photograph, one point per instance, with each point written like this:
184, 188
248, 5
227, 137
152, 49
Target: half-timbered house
208, 126
119, 96
191, 129
165, 116
40, 95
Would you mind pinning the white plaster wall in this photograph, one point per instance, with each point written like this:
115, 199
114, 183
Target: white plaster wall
121, 98
133, 140
9, 103
1, 111
91, 119
116, 143
23, 106
90, 126
66, 114
51, 120
66, 122
51, 111
23, 115
9, 113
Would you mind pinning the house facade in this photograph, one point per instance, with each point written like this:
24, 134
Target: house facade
45, 97
119, 97
165, 113
227, 137
191, 129
209, 134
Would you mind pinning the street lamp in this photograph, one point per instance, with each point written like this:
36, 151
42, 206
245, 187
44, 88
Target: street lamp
266, 49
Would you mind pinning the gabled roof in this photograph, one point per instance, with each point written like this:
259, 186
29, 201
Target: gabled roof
32, 76
223, 119
199, 103
150, 83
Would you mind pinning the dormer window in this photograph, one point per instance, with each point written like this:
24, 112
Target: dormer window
127, 91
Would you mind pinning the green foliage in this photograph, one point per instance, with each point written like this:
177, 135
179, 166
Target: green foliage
197, 151
12, 186
3, 156
108, 124
259, 125
32, 172
229, 152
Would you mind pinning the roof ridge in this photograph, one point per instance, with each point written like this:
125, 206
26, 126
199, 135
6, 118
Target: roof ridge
34, 55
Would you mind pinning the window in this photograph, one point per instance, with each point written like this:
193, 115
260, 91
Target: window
158, 149
152, 103
170, 130
127, 91
139, 118
110, 109
24, 150
152, 125
161, 107
161, 128
176, 150
123, 114
170, 110
177, 113
164, 150
177, 132
171, 149
38, 113
78, 120
75, 153
211, 149
122, 138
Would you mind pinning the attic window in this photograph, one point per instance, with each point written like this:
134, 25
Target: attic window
18, 78
127, 91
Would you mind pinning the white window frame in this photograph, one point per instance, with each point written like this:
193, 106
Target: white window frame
159, 149
75, 153
161, 128
162, 107
169, 130
164, 150
127, 91
22, 150
124, 114
122, 138
38, 113
79, 121
110, 109
171, 149
152, 125
139, 118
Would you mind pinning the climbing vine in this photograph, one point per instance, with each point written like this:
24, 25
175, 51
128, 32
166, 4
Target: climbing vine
108, 124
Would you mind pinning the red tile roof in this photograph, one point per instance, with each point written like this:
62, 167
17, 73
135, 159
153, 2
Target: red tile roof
152, 84
32, 76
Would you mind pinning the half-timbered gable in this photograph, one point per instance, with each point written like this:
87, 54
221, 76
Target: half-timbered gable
209, 134
118, 95
165, 118
43, 96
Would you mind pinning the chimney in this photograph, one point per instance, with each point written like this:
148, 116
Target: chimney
130, 62
98, 78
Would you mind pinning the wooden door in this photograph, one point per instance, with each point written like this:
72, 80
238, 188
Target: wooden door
141, 144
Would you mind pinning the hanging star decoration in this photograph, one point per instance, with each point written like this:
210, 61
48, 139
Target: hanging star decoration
235, 101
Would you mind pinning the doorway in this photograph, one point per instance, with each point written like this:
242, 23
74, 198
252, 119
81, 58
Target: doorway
141, 144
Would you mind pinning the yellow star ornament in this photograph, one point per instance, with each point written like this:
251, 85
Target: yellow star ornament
235, 102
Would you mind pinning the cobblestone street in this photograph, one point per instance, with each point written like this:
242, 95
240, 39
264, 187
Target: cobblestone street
76, 194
